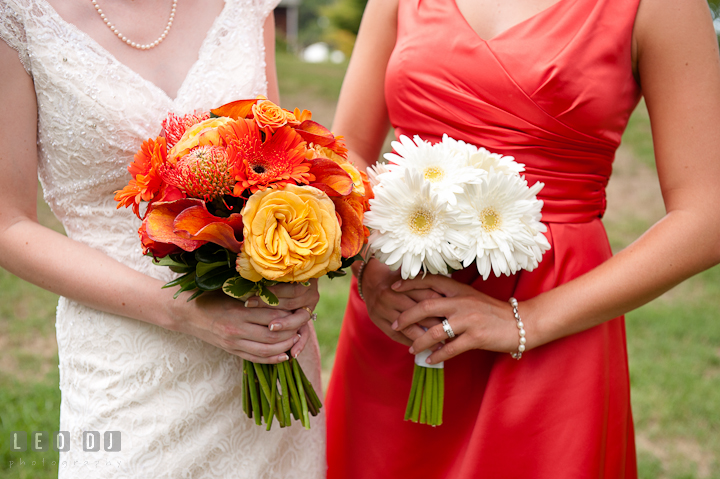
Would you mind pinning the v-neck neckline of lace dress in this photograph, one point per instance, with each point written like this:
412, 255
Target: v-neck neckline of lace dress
207, 41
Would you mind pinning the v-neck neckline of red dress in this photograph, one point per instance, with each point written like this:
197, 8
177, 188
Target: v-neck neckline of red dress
508, 30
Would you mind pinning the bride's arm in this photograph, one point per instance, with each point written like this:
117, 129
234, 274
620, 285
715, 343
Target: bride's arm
68, 268
273, 90
679, 68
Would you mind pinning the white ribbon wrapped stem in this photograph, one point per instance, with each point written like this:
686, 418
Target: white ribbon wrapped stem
421, 357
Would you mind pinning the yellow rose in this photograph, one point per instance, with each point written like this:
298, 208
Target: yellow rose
204, 133
290, 234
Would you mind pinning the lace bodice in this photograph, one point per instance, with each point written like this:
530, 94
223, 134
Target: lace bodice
94, 111
174, 398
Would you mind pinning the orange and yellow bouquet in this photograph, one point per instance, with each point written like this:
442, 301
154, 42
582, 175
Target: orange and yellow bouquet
243, 197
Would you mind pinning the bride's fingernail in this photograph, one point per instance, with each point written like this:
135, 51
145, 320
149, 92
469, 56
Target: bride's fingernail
274, 327
428, 361
396, 285
283, 357
296, 339
251, 303
296, 354
412, 350
394, 325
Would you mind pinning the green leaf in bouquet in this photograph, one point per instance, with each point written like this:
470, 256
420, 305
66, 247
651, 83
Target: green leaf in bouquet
215, 279
204, 268
180, 281
170, 261
210, 253
266, 295
238, 287
181, 269
336, 274
195, 295
187, 283
349, 261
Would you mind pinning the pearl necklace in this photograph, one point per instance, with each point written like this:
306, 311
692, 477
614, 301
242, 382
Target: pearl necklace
126, 40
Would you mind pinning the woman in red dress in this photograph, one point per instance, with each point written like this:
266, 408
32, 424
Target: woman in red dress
553, 84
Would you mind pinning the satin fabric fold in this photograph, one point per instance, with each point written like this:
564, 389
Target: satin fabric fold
555, 92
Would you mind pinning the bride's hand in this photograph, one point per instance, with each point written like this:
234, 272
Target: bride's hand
478, 320
385, 305
256, 332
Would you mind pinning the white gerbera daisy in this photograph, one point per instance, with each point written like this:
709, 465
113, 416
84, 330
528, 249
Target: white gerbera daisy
505, 232
412, 227
481, 158
374, 173
437, 164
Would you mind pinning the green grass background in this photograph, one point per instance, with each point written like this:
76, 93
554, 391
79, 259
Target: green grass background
674, 342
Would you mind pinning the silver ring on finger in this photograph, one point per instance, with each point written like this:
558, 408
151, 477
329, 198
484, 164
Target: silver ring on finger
448, 329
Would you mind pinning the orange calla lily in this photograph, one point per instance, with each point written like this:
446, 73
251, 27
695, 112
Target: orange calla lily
158, 250
187, 223
159, 223
350, 218
198, 224
236, 110
330, 177
314, 132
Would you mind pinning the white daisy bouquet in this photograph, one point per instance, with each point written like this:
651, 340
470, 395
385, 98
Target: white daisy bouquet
439, 208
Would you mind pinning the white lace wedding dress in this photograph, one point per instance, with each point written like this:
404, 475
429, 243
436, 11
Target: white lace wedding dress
175, 399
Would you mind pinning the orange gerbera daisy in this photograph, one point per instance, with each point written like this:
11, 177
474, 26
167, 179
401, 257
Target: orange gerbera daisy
146, 184
277, 160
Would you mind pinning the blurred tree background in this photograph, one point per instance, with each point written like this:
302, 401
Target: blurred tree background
336, 22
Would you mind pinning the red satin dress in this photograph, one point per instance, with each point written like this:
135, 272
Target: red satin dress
555, 92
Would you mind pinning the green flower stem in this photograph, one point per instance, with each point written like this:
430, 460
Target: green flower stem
273, 397
441, 395
264, 404
260, 372
418, 394
294, 399
254, 396
413, 391
301, 393
425, 407
311, 407
246, 392
279, 409
433, 398
314, 399
285, 395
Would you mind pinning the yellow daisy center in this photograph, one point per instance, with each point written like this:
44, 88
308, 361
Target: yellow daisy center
421, 222
490, 219
433, 173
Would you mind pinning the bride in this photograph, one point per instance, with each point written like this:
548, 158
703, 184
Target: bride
82, 84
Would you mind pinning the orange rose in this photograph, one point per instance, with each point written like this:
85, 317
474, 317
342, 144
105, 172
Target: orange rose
268, 114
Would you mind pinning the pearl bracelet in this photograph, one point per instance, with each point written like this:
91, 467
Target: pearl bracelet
360, 272
521, 329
